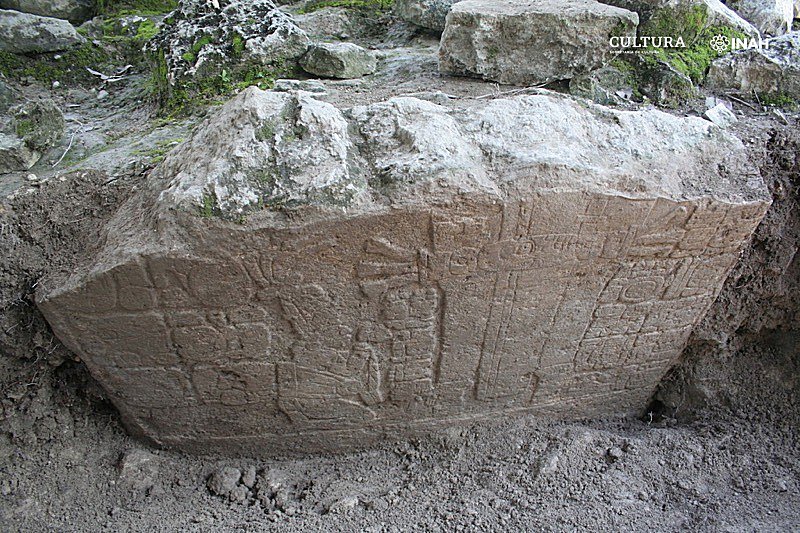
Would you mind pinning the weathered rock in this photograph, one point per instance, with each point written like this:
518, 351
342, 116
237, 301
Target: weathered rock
429, 14
223, 481
528, 42
138, 470
22, 33
199, 41
309, 86
7, 96
686, 18
15, 155
29, 130
338, 60
796, 8
663, 84
326, 23
609, 85
770, 72
770, 17
76, 11
404, 266
721, 115
39, 123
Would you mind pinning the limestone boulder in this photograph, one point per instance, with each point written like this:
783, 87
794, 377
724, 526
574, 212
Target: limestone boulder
338, 60
327, 23
297, 278
527, 42
771, 17
772, 72
23, 33
428, 14
75, 11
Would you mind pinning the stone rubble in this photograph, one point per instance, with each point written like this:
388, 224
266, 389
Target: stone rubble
199, 41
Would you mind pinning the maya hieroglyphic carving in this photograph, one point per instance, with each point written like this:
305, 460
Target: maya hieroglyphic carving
337, 331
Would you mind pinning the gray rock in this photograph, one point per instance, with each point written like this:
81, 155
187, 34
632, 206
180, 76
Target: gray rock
663, 84
609, 85
770, 72
311, 86
75, 11
770, 17
22, 33
39, 123
199, 41
223, 481
330, 22
15, 155
29, 130
403, 266
429, 14
338, 60
679, 15
721, 116
138, 470
7, 96
249, 477
527, 42
343, 505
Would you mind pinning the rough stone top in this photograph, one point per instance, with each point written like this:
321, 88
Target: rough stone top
520, 7
266, 151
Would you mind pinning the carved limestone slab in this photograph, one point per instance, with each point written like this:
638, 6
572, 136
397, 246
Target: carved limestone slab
299, 278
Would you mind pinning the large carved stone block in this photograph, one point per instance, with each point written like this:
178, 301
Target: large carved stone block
297, 278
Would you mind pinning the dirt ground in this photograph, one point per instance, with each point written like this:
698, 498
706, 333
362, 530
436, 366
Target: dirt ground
718, 449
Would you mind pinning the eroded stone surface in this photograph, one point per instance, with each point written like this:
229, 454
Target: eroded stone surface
338, 60
429, 14
22, 33
76, 11
527, 255
527, 42
771, 17
772, 72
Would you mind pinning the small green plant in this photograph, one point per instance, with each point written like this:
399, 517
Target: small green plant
159, 152
777, 100
209, 205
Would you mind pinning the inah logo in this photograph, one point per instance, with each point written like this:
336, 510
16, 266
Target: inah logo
723, 44
720, 43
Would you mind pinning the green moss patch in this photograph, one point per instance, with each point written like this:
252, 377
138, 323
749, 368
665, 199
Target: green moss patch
135, 7
690, 24
367, 5
67, 67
